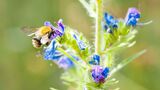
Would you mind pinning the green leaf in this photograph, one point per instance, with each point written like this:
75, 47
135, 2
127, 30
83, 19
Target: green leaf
126, 61
110, 82
68, 41
88, 7
52, 88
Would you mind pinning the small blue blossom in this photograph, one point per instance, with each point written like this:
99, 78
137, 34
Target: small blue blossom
65, 63
132, 17
110, 21
95, 60
47, 23
99, 73
105, 72
50, 52
61, 25
80, 43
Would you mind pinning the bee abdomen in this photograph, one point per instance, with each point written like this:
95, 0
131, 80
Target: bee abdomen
36, 43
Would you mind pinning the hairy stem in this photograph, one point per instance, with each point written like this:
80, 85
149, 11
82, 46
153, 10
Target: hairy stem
98, 26
66, 54
71, 57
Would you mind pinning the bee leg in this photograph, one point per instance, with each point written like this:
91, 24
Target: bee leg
36, 42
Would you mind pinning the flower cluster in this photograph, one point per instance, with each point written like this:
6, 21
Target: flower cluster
131, 19
99, 73
59, 37
116, 28
113, 27
72, 52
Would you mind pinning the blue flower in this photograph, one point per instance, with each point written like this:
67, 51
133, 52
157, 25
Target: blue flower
132, 17
57, 31
61, 26
95, 60
47, 23
65, 63
50, 52
80, 43
110, 21
55, 34
99, 73
105, 72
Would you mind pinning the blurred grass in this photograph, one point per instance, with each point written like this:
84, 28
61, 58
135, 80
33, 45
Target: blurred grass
20, 69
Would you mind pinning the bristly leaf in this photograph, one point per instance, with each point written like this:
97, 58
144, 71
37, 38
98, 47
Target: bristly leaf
88, 7
52, 88
70, 42
126, 61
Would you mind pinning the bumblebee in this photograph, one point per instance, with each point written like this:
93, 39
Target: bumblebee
42, 31
40, 36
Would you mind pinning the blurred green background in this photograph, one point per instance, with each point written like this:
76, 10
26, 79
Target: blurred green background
20, 69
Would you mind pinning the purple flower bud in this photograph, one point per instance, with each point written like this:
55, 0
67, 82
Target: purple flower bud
60, 25
110, 21
47, 23
99, 74
132, 17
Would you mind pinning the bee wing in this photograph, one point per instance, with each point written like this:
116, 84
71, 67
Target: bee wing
29, 31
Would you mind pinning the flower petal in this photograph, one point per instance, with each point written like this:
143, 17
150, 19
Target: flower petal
132, 17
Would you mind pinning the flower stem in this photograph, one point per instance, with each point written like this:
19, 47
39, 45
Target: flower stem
70, 57
98, 26
66, 54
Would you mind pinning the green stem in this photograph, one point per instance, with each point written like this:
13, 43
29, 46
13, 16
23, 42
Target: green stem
66, 54
70, 57
98, 26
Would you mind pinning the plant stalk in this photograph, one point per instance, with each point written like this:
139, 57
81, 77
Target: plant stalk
98, 26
